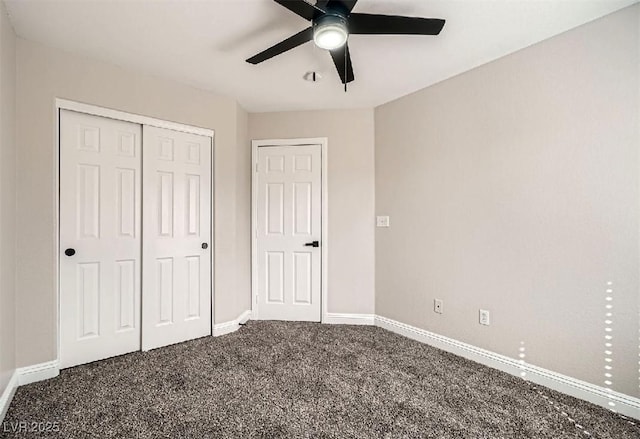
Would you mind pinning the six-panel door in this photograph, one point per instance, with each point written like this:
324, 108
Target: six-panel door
176, 245
289, 221
100, 196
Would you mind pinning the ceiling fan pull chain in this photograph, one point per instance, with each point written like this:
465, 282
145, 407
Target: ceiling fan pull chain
345, 69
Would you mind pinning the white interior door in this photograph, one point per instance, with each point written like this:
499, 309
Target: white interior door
99, 237
176, 249
289, 214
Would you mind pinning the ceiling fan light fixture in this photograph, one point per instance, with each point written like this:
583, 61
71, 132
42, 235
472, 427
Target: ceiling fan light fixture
330, 32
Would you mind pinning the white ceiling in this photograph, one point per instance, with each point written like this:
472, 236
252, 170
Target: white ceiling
205, 43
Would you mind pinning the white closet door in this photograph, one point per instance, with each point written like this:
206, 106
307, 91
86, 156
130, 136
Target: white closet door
99, 221
289, 214
177, 247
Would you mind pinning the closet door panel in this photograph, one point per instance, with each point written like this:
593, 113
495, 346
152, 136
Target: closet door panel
100, 237
176, 237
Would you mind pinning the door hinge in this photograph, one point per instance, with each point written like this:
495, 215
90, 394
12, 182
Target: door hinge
256, 167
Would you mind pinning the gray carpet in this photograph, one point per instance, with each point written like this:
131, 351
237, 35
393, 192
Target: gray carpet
276, 379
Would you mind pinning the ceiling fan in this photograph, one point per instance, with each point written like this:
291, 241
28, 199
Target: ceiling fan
331, 24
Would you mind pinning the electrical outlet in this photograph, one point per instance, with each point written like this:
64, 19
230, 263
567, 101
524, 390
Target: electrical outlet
485, 318
438, 306
382, 221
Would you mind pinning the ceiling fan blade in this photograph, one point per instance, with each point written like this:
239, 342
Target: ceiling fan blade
349, 4
332, 4
288, 44
342, 60
393, 24
301, 8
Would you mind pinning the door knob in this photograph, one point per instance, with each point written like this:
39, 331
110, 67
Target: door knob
205, 245
69, 252
312, 244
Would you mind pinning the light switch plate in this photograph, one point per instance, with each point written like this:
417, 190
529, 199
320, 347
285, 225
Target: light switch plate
485, 318
382, 221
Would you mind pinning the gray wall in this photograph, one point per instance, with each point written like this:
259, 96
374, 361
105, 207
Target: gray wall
243, 213
7, 198
44, 74
514, 187
351, 196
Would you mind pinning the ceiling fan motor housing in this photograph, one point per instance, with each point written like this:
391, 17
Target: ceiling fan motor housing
330, 30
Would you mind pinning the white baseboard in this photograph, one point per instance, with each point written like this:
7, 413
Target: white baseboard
7, 395
231, 326
244, 317
38, 372
23, 376
624, 404
333, 318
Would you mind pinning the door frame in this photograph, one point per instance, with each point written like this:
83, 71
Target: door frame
324, 247
95, 110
